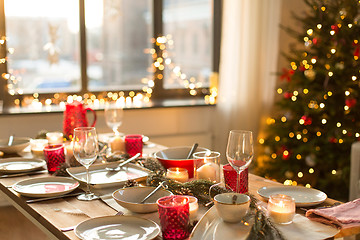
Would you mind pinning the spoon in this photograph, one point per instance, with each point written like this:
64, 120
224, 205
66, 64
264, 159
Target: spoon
162, 184
11, 139
193, 149
118, 167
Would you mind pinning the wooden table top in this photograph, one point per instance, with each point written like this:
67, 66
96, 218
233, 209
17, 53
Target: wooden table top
51, 215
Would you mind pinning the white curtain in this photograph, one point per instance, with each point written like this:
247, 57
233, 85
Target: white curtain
248, 65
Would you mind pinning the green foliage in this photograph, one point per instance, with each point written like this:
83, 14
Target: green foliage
317, 117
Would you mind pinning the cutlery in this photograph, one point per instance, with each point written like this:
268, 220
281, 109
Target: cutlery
22, 174
118, 167
11, 139
194, 147
55, 197
162, 184
67, 229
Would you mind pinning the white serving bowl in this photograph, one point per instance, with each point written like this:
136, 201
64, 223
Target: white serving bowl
231, 211
18, 144
176, 157
131, 197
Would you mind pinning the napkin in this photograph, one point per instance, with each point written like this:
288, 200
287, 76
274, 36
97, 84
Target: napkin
341, 216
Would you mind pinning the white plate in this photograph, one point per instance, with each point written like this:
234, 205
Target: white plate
45, 186
18, 164
117, 227
102, 178
303, 196
212, 227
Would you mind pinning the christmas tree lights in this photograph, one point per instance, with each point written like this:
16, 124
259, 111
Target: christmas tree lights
308, 141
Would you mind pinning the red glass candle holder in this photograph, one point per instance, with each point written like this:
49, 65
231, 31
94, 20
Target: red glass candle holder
54, 156
230, 177
174, 217
133, 144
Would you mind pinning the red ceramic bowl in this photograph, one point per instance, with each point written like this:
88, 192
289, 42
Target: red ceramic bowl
176, 157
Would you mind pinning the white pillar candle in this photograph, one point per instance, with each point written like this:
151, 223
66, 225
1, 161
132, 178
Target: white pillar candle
178, 174
207, 171
193, 207
54, 137
69, 151
207, 165
281, 208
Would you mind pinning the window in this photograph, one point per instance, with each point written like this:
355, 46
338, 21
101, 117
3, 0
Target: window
159, 48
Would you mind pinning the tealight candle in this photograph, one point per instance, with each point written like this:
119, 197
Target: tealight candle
54, 137
174, 216
37, 147
281, 208
178, 174
193, 207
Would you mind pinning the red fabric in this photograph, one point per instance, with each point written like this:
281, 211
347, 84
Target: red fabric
342, 216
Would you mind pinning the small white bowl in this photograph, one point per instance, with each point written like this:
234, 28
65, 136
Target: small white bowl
231, 211
131, 197
18, 144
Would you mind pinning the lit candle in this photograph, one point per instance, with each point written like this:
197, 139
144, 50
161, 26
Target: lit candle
210, 169
178, 174
117, 144
37, 147
193, 207
69, 152
281, 208
54, 137
207, 171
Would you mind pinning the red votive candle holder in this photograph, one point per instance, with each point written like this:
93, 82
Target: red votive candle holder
174, 217
133, 144
54, 156
230, 177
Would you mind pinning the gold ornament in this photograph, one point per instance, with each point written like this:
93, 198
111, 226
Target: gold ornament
310, 74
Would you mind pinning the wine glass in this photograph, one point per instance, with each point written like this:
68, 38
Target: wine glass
240, 151
114, 116
86, 150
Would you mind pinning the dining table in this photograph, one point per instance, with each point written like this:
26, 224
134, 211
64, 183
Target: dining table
53, 216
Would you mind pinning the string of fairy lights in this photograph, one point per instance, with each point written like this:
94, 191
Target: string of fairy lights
132, 99
307, 66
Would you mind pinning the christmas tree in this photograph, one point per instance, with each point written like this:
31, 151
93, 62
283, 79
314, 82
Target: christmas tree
308, 140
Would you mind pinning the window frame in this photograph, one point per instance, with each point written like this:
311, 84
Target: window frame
159, 92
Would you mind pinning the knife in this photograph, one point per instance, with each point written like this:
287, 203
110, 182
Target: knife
22, 174
55, 197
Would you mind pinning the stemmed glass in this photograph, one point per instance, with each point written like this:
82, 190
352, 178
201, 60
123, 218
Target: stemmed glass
86, 150
240, 151
114, 116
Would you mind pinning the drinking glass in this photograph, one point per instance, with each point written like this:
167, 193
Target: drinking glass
240, 152
114, 116
86, 150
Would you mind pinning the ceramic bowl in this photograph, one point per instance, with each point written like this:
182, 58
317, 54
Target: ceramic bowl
176, 157
130, 198
18, 145
232, 207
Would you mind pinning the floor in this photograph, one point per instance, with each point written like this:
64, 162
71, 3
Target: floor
14, 225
